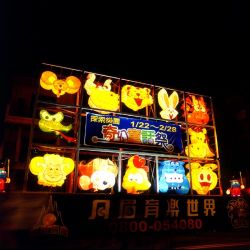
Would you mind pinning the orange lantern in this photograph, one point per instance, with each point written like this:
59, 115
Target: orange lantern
59, 87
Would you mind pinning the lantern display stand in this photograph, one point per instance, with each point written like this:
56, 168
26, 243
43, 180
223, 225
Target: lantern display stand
81, 116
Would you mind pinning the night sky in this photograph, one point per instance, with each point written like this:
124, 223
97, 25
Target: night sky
196, 47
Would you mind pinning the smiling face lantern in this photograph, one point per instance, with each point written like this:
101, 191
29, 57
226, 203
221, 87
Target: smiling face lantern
136, 98
51, 169
203, 178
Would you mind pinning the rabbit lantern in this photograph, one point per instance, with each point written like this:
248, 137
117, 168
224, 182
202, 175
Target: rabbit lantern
168, 104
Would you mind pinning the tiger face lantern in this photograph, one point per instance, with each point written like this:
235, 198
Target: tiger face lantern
136, 98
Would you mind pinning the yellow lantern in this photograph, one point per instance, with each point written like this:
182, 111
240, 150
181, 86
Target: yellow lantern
59, 87
100, 95
203, 178
136, 98
135, 180
51, 169
52, 122
73, 84
47, 79
168, 104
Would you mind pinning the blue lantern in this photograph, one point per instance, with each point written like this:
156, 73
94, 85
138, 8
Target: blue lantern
172, 178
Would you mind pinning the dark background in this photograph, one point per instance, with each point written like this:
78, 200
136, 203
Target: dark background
191, 46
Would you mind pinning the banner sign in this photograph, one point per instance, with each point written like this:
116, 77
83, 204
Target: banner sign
82, 215
100, 129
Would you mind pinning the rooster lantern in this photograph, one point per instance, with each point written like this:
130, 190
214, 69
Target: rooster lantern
135, 179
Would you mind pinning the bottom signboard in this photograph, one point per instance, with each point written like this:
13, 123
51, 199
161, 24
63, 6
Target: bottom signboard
79, 215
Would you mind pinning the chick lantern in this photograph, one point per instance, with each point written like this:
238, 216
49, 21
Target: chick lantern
135, 180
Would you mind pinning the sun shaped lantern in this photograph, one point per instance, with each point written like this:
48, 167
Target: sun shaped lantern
51, 169
49, 81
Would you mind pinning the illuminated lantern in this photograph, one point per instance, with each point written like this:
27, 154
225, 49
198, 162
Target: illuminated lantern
135, 180
51, 169
47, 79
100, 95
73, 84
168, 104
52, 123
235, 188
136, 98
59, 87
198, 145
97, 175
203, 178
4, 176
49, 219
172, 178
196, 110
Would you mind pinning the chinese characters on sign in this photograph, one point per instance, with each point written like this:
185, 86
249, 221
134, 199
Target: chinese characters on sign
121, 130
154, 217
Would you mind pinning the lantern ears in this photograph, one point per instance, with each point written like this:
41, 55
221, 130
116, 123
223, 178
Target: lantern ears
59, 87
